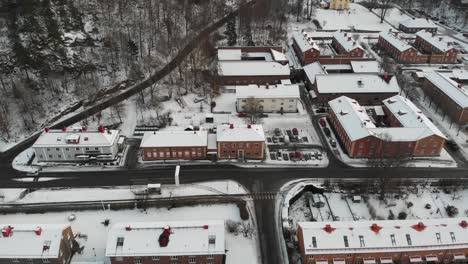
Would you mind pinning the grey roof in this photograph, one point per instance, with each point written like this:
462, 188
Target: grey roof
449, 87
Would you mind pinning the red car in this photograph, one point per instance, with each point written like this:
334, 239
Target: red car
295, 131
298, 155
291, 155
242, 115
322, 122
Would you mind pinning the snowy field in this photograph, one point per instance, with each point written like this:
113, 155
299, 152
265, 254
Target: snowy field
358, 17
394, 16
20, 196
240, 249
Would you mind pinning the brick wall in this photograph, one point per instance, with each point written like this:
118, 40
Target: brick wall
189, 259
171, 153
250, 150
245, 80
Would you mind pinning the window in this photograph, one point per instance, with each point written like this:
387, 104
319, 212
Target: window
15, 260
314, 242
241, 145
291, 100
137, 261
438, 238
67, 149
452, 235
361, 239
212, 239
77, 148
247, 145
345, 239
57, 149
192, 260
48, 149
96, 148
243, 100
119, 259
41, 157
408, 239
50, 156
87, 148
46, 260
120, 241
155, 257
174, 257
59, 156
210, 257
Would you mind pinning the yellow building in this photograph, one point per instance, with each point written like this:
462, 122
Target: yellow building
339, 4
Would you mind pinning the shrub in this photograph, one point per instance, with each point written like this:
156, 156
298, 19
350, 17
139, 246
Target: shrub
451, 210
402, 215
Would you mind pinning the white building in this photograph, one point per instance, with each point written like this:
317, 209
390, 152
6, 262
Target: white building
77, 144
167, 242
270, 98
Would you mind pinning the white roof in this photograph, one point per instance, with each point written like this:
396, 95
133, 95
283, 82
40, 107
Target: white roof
344, 39
278, 56
273, 91
186, 238
449, 87
337, 67
240, 133
365, 66
212, 141
301, 38
311, 70
395, 41
379, 239
174, 139
252, 68
59, 138
23, 242
229, 54
460, 74
355, 83
437, 42
418, 23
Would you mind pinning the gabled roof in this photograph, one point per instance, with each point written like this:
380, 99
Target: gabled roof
395, 41
418, 23
449, 87
384, 236
303, 42
174, 139
252, 68
59, 138
240, 133
438, 42
26, 241
278, 56
273, 91
229, 54
346, 41
186, 238
356, 83
313, 69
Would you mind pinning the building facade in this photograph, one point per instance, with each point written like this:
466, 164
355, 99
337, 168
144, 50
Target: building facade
414, 25
182, 242
240, 142
279, 98
36, 244
345, 44
437, 47
403, 130
385, 241
339, 4
305, 48
398, 49
174, 145
449, 95
76, 144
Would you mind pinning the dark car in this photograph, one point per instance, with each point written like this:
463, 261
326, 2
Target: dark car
299, 155
452, 145
321, 110
327, 131
332, 142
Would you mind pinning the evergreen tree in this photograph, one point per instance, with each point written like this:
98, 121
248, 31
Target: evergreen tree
230, 31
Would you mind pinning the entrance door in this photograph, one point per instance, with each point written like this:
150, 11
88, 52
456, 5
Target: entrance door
240, 154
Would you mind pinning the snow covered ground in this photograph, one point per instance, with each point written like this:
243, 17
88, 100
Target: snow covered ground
21, 196
240, 249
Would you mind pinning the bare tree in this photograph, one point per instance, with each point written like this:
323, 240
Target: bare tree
253, 109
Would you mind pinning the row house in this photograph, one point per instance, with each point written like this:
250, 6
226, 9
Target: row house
240, 141
345, 44
403, 130
281, 98
366, 88
305, 48
36, 244
384, 241
252, 65
182, 242
436, 46
174, 145
414, 25
76, 144
449, 95
399, 49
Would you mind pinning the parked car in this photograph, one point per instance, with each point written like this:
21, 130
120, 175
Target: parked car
295, 131
298, 155
327, 131
322, 122
291, 155
332, 142
321, 110
242, 115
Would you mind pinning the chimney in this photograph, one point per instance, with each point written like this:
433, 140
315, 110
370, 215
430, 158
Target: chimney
86, 139
460, 85
267, 86
6, 231
47, 130
38, 231
231, 126
101, 129
128, 228
64, 129
109, 132
164, 237
205, 227
440, 38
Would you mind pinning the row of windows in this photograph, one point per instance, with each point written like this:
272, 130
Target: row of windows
68, 149
273, 100
240, 145
174, 259
175, 154
234, 153
44, 260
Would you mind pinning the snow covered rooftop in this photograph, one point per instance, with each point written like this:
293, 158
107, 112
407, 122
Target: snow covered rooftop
395, 41
437, 42
418, 23
278, 56
449, 87
240, 133
186, 238
313, 69
355, 83
365, 66
252, 68
460, 74
344, 237
77, 137
346, 41
212, 142
229, 54
273, 91
174, 139
31, 241
304, 41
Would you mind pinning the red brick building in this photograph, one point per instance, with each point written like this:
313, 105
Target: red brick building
388, 241
403, 130
36, 244
252, 65
437, 47
305, 48
182, 242
240, 141
174, 145
345, 44
414, 25
399, 49
449, 95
